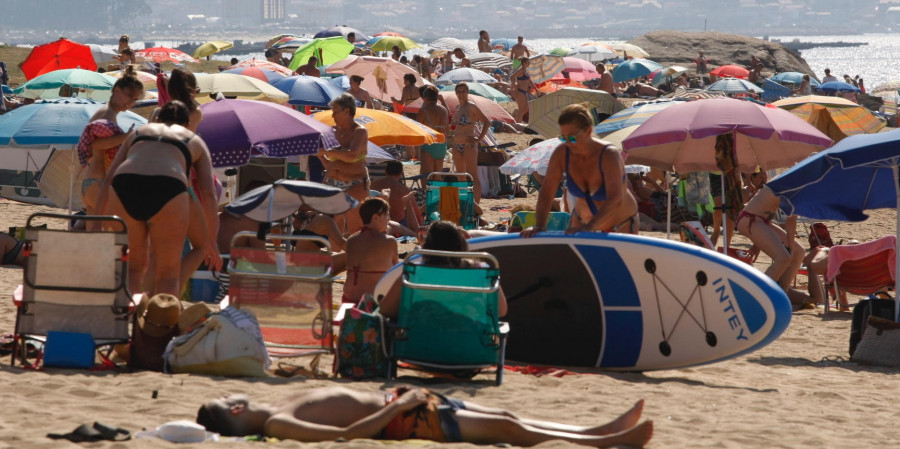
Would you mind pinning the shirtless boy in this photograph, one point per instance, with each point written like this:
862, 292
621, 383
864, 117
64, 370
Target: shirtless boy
330, 413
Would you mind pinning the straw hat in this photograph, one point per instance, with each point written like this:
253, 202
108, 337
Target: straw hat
158, 316
194, 316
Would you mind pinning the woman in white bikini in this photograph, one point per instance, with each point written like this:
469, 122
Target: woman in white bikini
466, 136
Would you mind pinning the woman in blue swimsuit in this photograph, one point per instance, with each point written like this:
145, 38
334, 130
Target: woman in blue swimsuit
151, 190
595, 176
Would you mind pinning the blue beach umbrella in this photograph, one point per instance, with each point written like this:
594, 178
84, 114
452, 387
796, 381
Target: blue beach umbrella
340, 30
794, 78
634, 68
504, 43
55, 122
858, 173
632, 116
833, 87
283, 197
734, 86
308, 90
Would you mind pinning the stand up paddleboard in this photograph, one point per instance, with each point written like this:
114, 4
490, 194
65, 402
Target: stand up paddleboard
628, 303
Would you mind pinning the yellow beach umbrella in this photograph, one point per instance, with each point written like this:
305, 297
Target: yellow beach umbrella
826, 113
210, 48
388, 128
237, 86
545, 110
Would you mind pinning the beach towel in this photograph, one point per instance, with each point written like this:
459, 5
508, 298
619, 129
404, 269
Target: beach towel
449, 204
843, 253
98, 129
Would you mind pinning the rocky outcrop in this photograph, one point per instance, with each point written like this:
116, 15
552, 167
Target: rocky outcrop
680, 48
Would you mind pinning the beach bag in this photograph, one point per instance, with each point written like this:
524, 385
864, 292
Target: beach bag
874, 306
361, 352
218, 348
819, 236
880, 344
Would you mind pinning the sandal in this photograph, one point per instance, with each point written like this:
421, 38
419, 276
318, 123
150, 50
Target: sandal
96, 432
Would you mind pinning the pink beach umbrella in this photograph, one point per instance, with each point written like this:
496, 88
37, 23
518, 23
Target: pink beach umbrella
579, 69
162, 54
264, 64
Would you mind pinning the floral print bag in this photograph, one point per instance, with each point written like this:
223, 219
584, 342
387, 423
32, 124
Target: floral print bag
361, 352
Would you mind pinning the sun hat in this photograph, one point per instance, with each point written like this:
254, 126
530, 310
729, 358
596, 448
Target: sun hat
194, 315
158, 315
181, 431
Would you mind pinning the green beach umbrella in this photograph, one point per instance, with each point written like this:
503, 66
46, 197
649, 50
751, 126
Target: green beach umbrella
561, 51
328, 49
386, 43
98, 86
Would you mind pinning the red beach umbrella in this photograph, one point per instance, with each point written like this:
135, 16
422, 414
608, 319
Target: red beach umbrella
161, 54
61, 54
734, 71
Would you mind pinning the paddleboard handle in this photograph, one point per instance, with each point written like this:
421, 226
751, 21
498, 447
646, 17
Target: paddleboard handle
543, 282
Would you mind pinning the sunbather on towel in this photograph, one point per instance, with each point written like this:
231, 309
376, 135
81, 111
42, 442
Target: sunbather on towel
331, 413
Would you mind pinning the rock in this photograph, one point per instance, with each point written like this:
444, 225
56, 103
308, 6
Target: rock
681, 48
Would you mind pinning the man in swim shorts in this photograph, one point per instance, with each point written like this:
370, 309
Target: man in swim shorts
330, 413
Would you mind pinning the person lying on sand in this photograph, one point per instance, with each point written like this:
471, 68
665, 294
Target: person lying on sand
327, 414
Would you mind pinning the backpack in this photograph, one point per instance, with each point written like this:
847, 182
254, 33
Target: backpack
361, 351
874, 306
819, 236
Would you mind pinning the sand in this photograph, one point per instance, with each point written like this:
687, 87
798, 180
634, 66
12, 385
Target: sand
797, 392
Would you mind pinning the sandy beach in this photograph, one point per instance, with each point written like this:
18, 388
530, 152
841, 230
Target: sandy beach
800, 391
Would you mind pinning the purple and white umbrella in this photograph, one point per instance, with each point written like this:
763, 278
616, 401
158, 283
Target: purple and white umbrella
236, 129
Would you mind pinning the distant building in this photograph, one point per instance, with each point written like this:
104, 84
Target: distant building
272, 10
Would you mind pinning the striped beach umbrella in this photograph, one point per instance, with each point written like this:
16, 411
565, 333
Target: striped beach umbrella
543, 67
545, 110
632, 116
450, 44
734, 86
490, 61
849, 117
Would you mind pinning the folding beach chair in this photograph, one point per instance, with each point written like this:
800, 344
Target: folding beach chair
694, 232
75, 289
450, 196
863, 269
288, 291
447, 320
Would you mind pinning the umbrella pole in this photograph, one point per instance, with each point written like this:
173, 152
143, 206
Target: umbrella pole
896, 169
668, 204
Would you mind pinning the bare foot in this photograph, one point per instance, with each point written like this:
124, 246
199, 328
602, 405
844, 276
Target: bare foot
624, 422
637, 436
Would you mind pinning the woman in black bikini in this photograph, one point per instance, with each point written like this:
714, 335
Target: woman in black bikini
521, 85
595, 176
151, 191
346, 165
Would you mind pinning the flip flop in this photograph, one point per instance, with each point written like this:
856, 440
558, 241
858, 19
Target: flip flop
90, 433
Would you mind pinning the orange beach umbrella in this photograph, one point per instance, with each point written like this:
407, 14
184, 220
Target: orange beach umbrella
388, 128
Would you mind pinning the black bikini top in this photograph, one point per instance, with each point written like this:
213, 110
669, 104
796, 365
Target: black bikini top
180, 144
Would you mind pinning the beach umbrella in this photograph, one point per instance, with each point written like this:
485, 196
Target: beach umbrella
101, 53
451, 43
792, 78
387, 43
61, 54
98, 85
210, 48
235, 129
682, 137
857, 174
693, 94
377, 155
730, 70
488, 107
734, 86
503, 43
264, 64
482, 90
164, 54
382, 77
308, 90
667, 74
849, 117
592, 52
342, 31
279, 37
238, 86
342, 82
558, 82
543, 67
388, 33
545, 110
283, 197
464, 75
148, 80
290, 43
560, 51
625, 49
889, 87
533, 159
264, 75
634, 68
633, 116
54, 122
328, 50
834, 87
579, 69
388, 128
490, 61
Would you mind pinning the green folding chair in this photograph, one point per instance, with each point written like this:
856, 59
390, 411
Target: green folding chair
447, 321
465, 186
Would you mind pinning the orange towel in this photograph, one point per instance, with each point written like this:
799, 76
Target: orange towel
449, 204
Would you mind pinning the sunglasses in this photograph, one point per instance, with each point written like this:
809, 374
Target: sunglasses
571, 138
